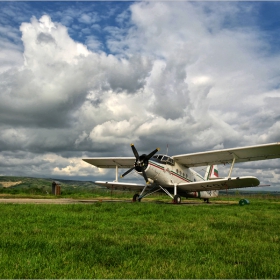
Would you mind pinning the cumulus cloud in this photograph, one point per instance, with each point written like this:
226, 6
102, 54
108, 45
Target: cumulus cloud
185, 74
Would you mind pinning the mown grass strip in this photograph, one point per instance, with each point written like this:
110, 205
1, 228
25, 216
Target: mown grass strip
140, 240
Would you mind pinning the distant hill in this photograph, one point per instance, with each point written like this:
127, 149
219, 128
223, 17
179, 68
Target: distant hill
13, 184
24, 181
75, 183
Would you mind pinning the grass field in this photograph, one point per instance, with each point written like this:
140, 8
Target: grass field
140, 240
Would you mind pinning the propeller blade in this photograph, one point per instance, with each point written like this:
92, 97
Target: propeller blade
135, 151
145, 176
151, 154
140, 162
128, 171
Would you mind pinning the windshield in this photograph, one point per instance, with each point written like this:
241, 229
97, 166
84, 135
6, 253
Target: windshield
163, 159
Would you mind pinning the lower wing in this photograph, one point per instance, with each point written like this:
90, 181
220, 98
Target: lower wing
120, 186
221, 184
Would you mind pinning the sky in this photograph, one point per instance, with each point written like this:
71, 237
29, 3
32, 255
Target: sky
87, 79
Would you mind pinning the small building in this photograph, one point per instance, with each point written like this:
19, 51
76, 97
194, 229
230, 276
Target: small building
56, 188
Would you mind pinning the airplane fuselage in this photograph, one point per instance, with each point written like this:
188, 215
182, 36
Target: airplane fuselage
162, 170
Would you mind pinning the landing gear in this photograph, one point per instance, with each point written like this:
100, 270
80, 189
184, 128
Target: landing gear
177, 199
206, 200
136, 198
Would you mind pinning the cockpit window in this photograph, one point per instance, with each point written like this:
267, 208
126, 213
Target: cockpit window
170, 161
164, 159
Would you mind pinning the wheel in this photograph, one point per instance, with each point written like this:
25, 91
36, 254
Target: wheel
206, 200
135, 197
177, 199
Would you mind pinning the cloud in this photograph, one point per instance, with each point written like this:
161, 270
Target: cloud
89, 18
191, 75
51, 82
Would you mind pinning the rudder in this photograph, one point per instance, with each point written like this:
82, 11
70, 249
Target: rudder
211, 172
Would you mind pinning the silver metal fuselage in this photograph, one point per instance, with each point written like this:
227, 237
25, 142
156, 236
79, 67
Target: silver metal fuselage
168, 175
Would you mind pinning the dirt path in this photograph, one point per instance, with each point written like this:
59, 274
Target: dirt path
56, 200
10, 184
83, 201
38, 201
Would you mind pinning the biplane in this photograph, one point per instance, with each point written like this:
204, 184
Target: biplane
174, 175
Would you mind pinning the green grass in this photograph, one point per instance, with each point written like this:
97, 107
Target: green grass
140, 240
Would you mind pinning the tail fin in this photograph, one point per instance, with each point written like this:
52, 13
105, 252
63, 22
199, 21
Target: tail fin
211, 172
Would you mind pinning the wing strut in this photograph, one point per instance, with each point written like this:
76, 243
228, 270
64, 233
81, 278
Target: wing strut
117, 172
233, 161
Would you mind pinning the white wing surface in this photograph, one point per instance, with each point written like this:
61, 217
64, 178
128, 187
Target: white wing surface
249, 153
221, 184
111, 162
120, 186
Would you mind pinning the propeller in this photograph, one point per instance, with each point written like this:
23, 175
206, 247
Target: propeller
140, 163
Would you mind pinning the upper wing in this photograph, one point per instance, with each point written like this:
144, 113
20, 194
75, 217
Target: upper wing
221, 184
120, 186
111, 162
249, 153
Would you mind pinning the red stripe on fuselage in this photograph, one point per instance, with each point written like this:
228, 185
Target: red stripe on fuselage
154, 165
173, 173
181, 178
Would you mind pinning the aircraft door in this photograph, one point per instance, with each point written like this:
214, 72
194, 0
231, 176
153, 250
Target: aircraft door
167, 174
